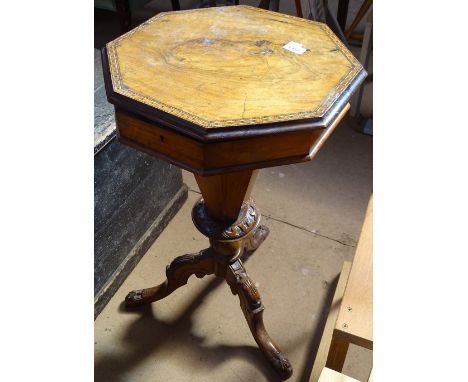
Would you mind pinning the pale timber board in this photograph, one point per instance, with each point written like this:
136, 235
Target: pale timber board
329, 375
324, 347
355, 316
226, 66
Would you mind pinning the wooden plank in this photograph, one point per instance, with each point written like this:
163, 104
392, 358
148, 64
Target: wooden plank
354, 321
329, 375
322, 352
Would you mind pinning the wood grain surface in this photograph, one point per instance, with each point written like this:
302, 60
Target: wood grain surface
224, 156
354, 321
226, 66
224, 194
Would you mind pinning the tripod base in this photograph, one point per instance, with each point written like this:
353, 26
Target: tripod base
224, 258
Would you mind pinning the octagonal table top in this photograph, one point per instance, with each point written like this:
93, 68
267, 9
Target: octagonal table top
231, 68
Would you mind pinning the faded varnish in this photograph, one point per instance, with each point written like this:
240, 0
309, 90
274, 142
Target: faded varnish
226, 66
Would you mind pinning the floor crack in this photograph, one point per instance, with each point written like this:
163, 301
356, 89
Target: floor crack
195, 191
296, 226
307, 230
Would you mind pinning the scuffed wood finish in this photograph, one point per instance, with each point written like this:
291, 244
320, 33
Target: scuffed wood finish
223, 156
199, 264
226, 66
178, 273
224, 194
243, 286
354, 321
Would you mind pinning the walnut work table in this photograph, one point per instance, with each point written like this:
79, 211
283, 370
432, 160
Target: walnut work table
221, 93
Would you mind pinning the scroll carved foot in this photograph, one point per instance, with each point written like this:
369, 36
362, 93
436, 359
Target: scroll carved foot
242, 285
178, 273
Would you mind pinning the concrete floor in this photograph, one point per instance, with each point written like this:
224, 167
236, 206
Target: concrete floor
315, 212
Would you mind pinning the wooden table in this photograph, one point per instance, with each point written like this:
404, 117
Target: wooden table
215, 91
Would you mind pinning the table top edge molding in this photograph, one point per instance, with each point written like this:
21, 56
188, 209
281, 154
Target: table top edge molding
166, 110
203, 134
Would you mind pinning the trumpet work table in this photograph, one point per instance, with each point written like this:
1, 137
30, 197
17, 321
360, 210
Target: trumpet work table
223, 92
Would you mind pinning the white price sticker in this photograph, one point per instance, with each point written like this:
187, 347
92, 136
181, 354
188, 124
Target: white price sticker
295, 47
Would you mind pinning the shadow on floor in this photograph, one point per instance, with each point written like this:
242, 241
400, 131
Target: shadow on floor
314, 343
148, 335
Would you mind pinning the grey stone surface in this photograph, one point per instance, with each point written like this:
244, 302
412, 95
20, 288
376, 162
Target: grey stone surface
131, 189
117, 170
104, 123
136, 253
135, 196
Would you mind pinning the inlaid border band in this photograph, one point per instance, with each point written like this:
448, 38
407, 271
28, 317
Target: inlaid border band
318, 112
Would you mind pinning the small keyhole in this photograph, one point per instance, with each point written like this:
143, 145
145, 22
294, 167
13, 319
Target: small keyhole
162, 138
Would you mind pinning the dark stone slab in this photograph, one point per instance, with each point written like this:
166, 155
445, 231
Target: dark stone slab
104, 122
130, 190
135, 197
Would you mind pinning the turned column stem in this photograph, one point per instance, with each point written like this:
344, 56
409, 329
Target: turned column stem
223, 194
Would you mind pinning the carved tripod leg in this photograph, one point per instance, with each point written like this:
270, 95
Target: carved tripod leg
251, 305
178, 273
